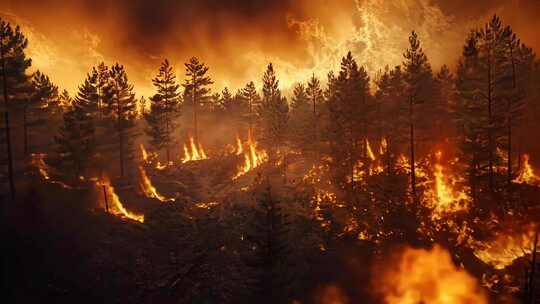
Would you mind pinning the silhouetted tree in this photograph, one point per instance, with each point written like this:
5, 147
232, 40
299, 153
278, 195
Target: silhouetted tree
164, 109
196, 90
250, 95
41, 108
14, 84
418, 82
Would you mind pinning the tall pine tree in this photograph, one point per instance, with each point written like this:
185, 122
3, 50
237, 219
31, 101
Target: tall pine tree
164, 109
196, 90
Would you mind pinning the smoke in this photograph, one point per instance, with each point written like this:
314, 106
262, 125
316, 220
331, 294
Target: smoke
237, 38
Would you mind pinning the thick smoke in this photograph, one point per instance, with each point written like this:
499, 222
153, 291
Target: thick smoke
238, 38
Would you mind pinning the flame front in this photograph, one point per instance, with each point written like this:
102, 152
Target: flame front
147, 188
527, 174
252, 157
115, 203
427, 276
193, 151
144, 154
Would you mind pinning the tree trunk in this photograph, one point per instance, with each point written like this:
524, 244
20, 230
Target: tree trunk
25, 130
120, 135
411, 144
195, 125
490, 127
7, 124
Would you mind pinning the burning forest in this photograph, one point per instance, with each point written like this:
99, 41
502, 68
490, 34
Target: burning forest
391, 159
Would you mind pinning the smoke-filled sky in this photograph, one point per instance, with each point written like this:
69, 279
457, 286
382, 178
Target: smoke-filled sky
238, 38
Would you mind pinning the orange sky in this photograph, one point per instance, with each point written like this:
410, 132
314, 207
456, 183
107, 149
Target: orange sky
238, 38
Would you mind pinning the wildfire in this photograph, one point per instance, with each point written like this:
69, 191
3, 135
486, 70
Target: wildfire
239, 146
527, 174
193, 152
383, 147
252, 157
147, 188
444, 198
427, 276
115, 204
144, 153
506, 247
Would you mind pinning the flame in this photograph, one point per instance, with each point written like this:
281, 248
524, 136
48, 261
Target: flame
527, 174
115, 204
252, 157
39, 163
193, 151
383, 147
427, 276
444, 198
506, 247
239, 146
147, 188
370, 153
144, 153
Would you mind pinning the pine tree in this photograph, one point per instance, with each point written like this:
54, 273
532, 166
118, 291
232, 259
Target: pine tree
14, 84
164, 109
271, 250
301, 124
196, 90
235, 107
250, 95
76, 139
273, 112
418, 83
41, 108
348, 107
315, 96
65, 100
122, 107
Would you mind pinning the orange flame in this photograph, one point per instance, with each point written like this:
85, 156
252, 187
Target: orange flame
117, 206
39, 163
193, 151
144, 153
444, 198
252, 157
527, 174
506, 247
239, 146
147, 188
370, 153
428, 276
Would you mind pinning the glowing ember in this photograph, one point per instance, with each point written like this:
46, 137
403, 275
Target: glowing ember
252, 157
193, 152
383, 147
147, 188
527, 174
427, 276
115, 204
444, 198
39, 163
506, 247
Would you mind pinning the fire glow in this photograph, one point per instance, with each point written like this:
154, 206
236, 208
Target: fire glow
147, 188
117, 206
253, 158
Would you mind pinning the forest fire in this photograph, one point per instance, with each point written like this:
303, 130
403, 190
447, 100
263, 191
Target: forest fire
252, 156
378, 155
193, 151
113, 202
527, 174
427, 276
147, 188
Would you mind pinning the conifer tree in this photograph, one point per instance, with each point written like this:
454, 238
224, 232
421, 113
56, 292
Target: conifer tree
271, 250
76, 139
315, 96
65, 100
41, 108
14, 85
122, 107
418, 83
196, 90
250, 95
348, 111
301, 125
273, 112
164, 109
